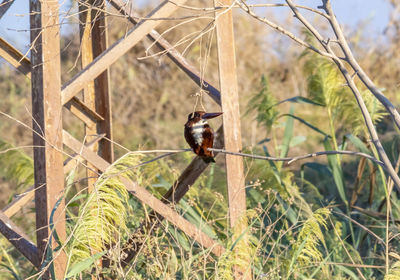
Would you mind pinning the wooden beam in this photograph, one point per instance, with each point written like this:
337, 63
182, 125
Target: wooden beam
83, 112
231, 122
171, 52
146, 197
47, 127
84, 152
20, 241
119, 48
16, 205
15, 57
23, 64
96, 94
4, 6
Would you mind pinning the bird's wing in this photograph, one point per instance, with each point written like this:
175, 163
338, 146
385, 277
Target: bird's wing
189, 138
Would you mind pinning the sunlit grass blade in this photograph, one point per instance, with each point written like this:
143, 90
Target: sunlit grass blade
337, 172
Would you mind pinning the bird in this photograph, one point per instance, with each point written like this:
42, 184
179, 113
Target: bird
199, 135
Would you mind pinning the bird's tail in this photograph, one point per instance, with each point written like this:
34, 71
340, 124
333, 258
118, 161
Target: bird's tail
208, 159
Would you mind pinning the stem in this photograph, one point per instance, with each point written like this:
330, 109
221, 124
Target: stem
333, 134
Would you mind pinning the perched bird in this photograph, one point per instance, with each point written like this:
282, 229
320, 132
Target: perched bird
200, 135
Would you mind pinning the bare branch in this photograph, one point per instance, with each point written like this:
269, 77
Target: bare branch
357, 68
290, 160
280, 29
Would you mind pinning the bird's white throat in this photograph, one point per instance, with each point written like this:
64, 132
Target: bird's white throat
197, 131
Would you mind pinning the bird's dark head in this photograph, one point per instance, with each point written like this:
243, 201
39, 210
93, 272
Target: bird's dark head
201, 115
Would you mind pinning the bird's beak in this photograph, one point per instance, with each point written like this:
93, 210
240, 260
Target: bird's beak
211, 115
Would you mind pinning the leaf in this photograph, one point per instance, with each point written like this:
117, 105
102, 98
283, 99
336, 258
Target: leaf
347, 271
287, 137
14, 274
301, 100
320, 168
297, 140
358, 143
194, 217
307, 124
86, 263
265, 140
336, 171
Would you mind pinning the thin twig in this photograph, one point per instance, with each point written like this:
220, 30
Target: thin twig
187, 7
362, 226
290, 160
247, 9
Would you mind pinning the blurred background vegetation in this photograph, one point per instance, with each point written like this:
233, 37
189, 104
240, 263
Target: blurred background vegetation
322, 218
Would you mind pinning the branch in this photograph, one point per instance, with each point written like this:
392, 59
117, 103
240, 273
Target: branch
280, 29
366, 115
356, 67
290, 160
213, 9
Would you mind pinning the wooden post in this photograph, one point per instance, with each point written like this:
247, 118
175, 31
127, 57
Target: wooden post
231, 122
47, 126
96, 94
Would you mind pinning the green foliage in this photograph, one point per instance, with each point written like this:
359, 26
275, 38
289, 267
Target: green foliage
15, 165
306, 247
240, 249
351, 115
327, 86
394, 272
263, 103
103, 218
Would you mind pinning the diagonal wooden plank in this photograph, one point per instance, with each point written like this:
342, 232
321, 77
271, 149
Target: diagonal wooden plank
119, 48
4, 6
171, 52
84, 152
20, 241
146, 197
83, 112
15, 57
16, 205
23, 64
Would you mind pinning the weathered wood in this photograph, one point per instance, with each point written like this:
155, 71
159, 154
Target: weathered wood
15, 57
47, 126
171, 52
71, 162
82, 111
119, 48
84, 152
146, 197
16, 205
102, 89
20, 241
23, 64
231, 122
4, 6
96, 94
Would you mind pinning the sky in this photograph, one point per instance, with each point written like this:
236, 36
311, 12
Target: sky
14, 26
